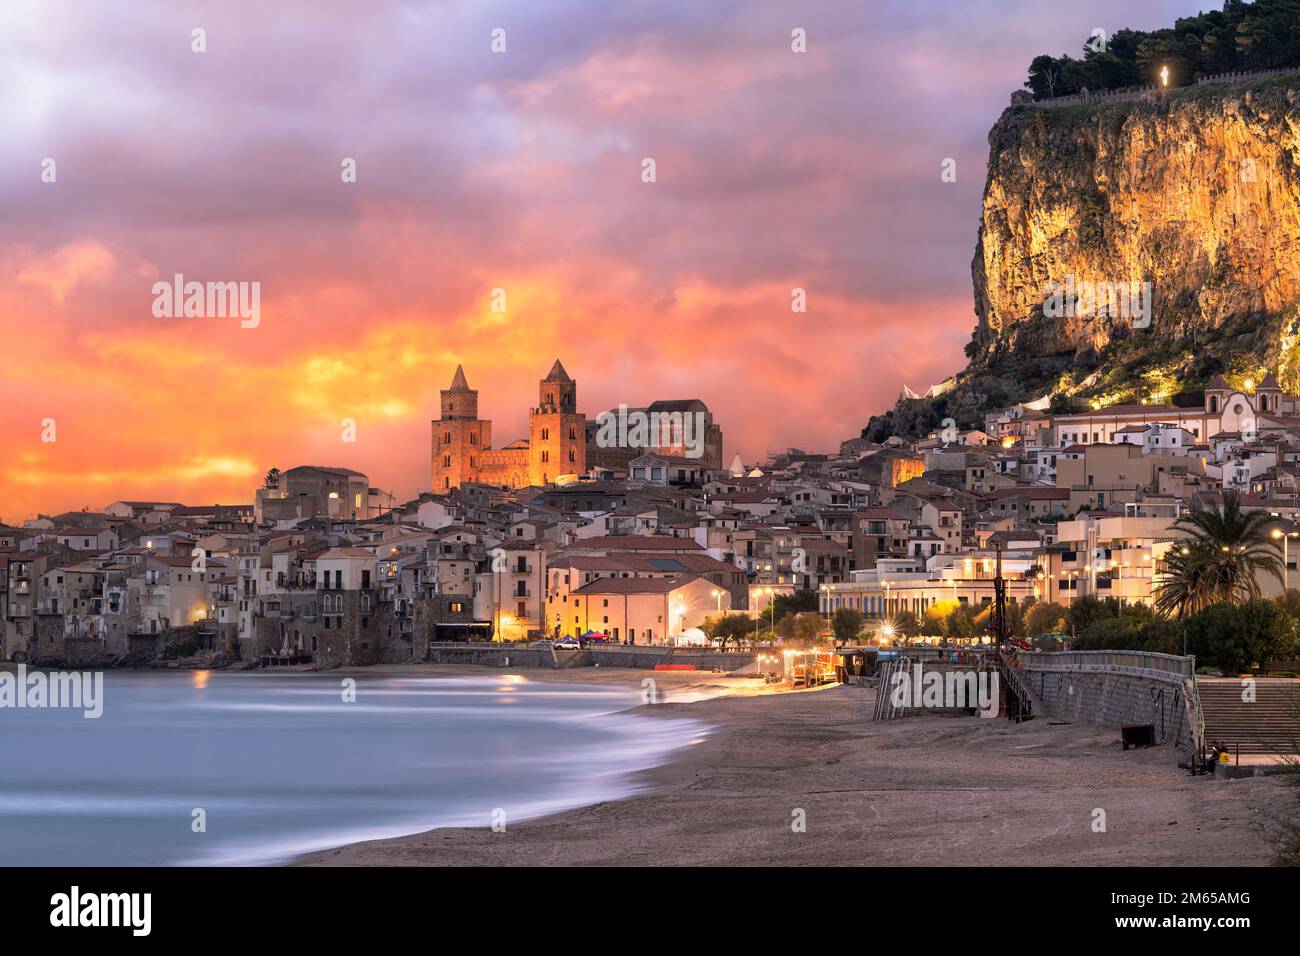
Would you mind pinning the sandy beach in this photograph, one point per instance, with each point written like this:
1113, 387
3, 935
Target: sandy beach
928, 791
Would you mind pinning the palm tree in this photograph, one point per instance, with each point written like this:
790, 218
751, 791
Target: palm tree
1225, 551
1183, 587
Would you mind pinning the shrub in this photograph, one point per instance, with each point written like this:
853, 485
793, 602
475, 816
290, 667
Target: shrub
1236, 637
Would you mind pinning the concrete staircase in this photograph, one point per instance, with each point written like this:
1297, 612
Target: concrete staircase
1269, 725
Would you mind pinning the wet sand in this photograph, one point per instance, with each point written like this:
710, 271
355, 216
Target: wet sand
928, 791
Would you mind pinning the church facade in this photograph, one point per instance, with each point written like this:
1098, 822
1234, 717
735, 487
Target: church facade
556, 445
1250, 412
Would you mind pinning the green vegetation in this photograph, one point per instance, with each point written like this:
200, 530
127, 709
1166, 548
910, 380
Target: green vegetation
1235, 638
795, 603
1225, 551
1240, 37
799, 628
180, 649
733, 628
1107, 625
1044, 618
846, 623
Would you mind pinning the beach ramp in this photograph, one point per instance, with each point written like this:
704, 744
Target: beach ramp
565, 658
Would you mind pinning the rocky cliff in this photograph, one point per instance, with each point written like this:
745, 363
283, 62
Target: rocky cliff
1192, 197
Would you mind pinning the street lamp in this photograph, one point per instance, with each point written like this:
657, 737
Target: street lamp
1286, 563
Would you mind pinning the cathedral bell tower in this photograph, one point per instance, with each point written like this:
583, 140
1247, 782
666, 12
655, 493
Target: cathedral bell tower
459, 436
557, 433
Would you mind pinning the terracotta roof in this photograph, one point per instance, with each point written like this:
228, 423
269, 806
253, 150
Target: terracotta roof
635, 543
635, 585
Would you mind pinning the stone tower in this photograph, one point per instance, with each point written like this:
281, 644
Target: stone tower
557, 433
459, 436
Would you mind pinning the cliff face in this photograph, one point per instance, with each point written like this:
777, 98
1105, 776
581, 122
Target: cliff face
1197, 194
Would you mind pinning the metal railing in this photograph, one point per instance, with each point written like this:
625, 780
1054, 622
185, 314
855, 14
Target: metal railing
1142, 660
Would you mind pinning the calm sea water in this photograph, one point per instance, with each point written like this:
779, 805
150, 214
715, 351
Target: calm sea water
282, 765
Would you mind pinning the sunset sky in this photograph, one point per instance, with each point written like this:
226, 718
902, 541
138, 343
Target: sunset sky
478, 170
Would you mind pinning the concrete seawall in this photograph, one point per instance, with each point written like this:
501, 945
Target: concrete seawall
1112, 696
641, 658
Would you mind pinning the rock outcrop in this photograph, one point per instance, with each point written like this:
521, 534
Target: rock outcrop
1196, 193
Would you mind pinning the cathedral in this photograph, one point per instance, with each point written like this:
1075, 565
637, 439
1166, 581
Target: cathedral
556, 445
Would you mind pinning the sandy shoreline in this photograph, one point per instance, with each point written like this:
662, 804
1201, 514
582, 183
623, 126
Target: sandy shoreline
926, 791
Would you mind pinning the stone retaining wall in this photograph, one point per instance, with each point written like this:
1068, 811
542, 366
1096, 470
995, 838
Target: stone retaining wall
646, 659
491, 656
1113, 696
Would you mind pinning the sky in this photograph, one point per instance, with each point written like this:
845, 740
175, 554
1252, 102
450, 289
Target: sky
477, 171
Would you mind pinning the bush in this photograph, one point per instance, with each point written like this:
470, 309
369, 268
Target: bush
801, 628
1131, 632
846, 623
736, 628
1236, 637
1087, 610
1044, 619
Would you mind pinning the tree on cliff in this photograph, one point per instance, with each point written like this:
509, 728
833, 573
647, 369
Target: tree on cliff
1242, 36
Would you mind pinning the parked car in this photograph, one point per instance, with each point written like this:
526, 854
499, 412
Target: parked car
566, 643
